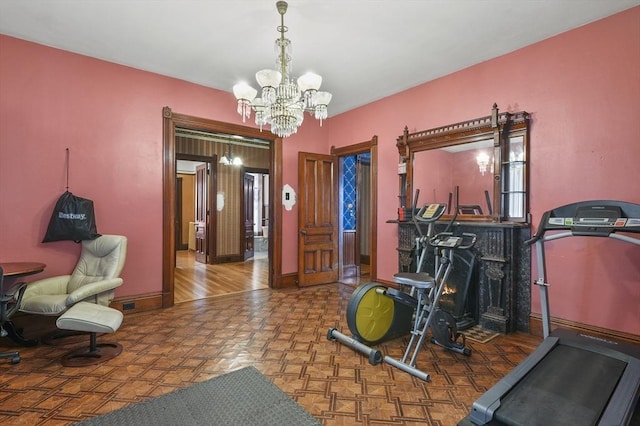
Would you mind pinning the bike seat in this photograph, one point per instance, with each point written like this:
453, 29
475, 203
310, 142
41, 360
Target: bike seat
421, 280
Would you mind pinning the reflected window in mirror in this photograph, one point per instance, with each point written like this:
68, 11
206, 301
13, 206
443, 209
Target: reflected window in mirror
513, 180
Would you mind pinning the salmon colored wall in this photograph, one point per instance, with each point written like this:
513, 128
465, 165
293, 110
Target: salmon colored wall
583, 95
583, 92
110, 117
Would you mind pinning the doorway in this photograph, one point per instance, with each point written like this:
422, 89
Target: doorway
173, 121
258, 227
355, 221
195, 227
215, 210
358, 188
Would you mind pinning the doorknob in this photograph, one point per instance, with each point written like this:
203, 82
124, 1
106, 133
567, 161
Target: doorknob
303, 232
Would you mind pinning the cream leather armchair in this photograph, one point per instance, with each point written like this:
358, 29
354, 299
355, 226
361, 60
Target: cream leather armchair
94, 279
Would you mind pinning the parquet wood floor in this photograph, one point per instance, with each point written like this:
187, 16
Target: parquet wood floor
280, 332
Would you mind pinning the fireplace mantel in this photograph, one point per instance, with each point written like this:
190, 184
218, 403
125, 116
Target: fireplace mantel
503, 284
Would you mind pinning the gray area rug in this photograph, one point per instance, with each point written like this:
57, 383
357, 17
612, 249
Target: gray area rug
243, 397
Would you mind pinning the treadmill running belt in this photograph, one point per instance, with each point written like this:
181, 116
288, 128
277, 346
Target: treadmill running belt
570, 386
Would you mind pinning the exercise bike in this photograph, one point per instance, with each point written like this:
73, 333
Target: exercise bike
376, 313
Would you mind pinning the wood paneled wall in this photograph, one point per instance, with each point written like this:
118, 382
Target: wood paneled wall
229, 231
349, 253
229, 183
251, 156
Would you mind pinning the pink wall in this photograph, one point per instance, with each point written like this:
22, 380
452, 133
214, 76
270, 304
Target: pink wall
110, 117
582, 93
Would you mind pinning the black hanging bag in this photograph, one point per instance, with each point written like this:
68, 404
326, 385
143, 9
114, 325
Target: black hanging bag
72, 219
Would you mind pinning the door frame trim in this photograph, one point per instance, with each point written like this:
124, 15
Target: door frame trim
171, 120
370, 146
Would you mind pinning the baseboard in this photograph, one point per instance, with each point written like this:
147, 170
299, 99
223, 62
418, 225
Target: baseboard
388, 283
287, 281
228, 259
535, 328
140, 303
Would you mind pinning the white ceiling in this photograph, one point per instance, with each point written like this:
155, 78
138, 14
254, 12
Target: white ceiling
364, 49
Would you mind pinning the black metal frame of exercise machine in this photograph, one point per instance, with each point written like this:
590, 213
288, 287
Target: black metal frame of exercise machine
388, 312
571, 378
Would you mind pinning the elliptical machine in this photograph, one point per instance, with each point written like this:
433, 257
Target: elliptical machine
376, 313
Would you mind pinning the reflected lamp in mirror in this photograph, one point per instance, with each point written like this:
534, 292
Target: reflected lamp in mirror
483, 162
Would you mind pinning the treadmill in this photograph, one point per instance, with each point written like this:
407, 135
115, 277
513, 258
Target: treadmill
571, 378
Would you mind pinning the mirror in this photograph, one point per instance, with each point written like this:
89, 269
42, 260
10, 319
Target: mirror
468, 167
482, 161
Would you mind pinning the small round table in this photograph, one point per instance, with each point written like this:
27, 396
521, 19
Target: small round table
21, 269
15, 289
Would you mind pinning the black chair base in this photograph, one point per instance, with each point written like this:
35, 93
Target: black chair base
15, 334
96, 353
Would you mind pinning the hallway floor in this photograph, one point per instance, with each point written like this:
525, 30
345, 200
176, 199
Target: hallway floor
194, 280
280, 332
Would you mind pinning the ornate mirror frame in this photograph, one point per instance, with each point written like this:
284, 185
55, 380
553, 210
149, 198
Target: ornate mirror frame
510, 135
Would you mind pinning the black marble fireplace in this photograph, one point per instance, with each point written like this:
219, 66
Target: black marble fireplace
459, 294
497, 275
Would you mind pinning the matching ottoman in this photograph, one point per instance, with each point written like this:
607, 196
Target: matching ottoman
92, 318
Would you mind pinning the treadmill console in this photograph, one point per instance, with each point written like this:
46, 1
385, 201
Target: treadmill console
594, 218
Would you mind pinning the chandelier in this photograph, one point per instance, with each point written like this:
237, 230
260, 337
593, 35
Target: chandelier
229, 160
283, 101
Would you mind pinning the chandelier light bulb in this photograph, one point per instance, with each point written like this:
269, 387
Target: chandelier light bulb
309, 81
245, 94
229, 159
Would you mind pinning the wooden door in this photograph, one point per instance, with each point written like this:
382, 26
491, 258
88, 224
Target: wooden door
202, 213
317, 219
248, 222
